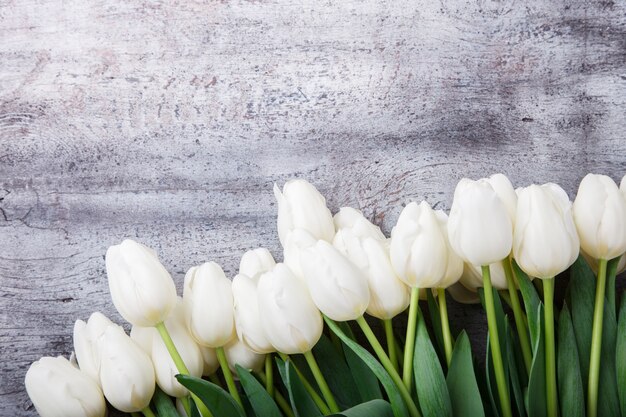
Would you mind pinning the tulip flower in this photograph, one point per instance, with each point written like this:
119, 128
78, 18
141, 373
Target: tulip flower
506, 193
255, 262
86, 336
58, 389
290, 319
247, 319
353, 220
301, 206
545, 243
461, 294
164, 365
126, 371
141, 288
210, 361
237, 353
600, 217
208, 301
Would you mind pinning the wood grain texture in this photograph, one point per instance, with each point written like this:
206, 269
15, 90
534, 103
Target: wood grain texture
169, 122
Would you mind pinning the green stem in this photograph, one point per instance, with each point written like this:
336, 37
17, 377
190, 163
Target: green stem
520, 318
321, 382
147, 412
596, 342
384, 360
391, 342
407, 368
228, 376
308, 387
445, 324
280, 400
269, 371
186, 405
496, 354
552, 400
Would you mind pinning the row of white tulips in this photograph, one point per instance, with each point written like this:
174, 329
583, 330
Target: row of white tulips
340, 267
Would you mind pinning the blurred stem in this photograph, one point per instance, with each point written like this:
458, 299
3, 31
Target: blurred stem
147, 412
551, 395
391, 343
520, 319
407, 368
321, 382
308, 387
496, 354
596, 342
384, 360
186, 405
180, 364
269, 372
228, 376
280, 400
445, 324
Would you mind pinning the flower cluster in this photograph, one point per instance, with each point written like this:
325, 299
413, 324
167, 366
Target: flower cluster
494, 241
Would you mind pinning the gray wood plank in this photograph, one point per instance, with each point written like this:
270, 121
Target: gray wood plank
169, 123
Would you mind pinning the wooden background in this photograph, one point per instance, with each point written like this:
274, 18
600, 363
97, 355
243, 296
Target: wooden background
169, 122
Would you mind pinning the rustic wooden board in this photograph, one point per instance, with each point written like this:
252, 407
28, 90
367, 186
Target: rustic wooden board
170, 121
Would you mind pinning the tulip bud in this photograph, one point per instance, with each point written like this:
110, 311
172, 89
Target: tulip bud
237, 353
505, 192
126, 372
247, 319
208, 300
301, 206
418, 250
454, 267
479, 227
289, 317
366, 246
142, 290
297, 241
498, 276
463, 295
545, 242
164, 367
600, 217
58, 389
256, 261
209, 357
86, 336
338, 288
594, 263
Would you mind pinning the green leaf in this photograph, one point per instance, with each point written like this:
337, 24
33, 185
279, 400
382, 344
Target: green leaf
611, 272
260, 400
301, 403
435, 319
430, 383
337, 373
461, 381
580, 295
536, 399
218, 401
531, 300
397, 403
620, 355
516, 369
571, 394
608, 401
163, 404
373, 408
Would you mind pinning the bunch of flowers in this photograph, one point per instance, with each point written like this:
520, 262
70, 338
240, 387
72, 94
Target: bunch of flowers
277, 339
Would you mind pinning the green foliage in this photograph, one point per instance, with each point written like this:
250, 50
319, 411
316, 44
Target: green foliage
571, 393
301, 402
261, 402
218, 401
461, 381
373, 408
163, 404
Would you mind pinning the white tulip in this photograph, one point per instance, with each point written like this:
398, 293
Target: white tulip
58, 389
208, 301
497, 274
256, 261
86, 337
141, 288
454, 266
209, 356
301, 206
505, 192
600, 217
461, 294
289, 317
366, 246
480, 227
126, 371
296, 242
545, 242
418, 250
164, 367
338, 288
247, 320
237, 353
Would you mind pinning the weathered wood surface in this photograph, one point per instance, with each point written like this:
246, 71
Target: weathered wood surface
169, 122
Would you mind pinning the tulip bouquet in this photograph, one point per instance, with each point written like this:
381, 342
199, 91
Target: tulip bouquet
291, 338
